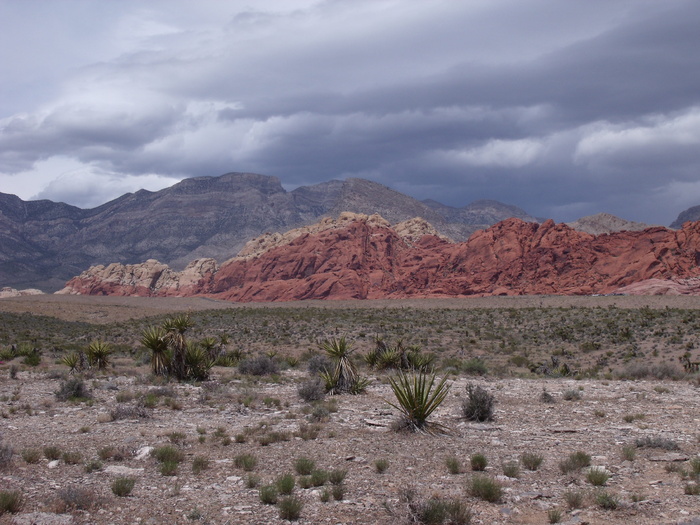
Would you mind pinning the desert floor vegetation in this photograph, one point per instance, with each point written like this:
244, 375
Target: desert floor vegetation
117, 443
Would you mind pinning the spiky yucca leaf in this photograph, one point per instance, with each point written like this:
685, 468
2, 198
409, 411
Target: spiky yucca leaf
153, 338
417, 397
98, 354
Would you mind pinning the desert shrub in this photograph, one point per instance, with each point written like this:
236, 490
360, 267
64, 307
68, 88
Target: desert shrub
554, 515
656, 442
691, 489
606, 501
258, 366
77, 498
573, 498
122, 487
453, 465
128, 412
10, 501
168, 454
307, 432
31, 455
572, 395
319, 477
199, 464
436, 511
575, 461
511, 469
73, 389
304, 466
479, 404
252, 481
338, 492
318, 363
381, 465
6, 453
546, 397
285, 484
290, 508
72, 457
247, 462
629, 452
485, 488
94, 465
660, 371
417, 398
478, 462
531, 460
312, 390
52, 452
474, 367
268, 494
337, 476
597, 476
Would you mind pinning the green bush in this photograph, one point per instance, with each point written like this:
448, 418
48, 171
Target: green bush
122, 487
486, 488
304, 466
531, 460
479, 404
10, 501
290, 508
268, 494
478, 462
285, 484
246, 462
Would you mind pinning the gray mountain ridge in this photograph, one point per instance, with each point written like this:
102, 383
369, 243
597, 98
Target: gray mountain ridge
44, 243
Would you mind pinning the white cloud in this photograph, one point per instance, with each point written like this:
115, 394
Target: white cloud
657, 135
499, 153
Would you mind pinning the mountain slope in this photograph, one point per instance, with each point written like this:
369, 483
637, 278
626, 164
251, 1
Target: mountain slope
364, 257
43, 244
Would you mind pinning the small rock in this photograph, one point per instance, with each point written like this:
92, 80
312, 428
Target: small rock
121, 470
144, 452
55, 463
670, 456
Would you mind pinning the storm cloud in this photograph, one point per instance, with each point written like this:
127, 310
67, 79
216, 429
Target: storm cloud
562, 108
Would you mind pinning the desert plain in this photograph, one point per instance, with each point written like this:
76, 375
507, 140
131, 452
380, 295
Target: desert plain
624, 400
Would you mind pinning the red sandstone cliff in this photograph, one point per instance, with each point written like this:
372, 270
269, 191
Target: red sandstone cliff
361, 257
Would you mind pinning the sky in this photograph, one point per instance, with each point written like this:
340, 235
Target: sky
565, 108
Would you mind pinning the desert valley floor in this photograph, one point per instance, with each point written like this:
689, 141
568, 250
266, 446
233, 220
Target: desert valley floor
237, 433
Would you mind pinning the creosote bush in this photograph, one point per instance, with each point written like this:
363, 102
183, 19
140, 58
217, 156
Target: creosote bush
122, 487
290, 508
575, 461
478, 462
531, 460
485, 488
312, 390
261, 365
479, 404
10, 501
73, 389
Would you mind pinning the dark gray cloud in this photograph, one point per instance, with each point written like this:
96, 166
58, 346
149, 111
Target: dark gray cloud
563, 108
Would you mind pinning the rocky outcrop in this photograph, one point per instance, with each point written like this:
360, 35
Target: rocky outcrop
150, 278
363, 257
6, 292
606, 223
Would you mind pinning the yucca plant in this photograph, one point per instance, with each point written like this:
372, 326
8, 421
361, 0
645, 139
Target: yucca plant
98, 354
175, 329
343, 377
197, 362
72, 361
153, 338
418, 396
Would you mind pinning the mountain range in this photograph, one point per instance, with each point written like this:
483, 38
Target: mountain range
44, 243
365, 257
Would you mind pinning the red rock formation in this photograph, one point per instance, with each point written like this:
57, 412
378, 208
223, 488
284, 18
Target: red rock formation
360, 257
